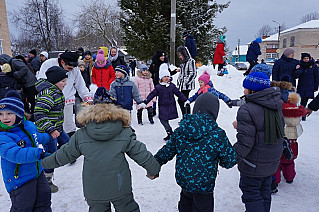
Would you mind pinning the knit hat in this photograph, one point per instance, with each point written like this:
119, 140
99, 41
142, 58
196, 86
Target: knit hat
34, 52
163, 71
121, 68
81, 63
100, 57
288, 51
87, 53
12, 102
45, 54
6, 68
80, 50
207, 103
262, 67
186, 33
222, 38
71, 58
102, 95
256, 81
258, 40
205, 77
303, 55
55, 74
143, 67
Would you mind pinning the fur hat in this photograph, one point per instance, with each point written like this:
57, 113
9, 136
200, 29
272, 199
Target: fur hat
81, 63
55, 74
12, 102
207, 103
163, 71
256, 81
34, 52
294, 98
205, 77
258, 40
45, 54
100, 57
122, 69
288, 51
6, 68
262, 67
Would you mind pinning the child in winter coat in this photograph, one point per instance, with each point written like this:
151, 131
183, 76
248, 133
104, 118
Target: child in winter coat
85, 72
145, 85
104, 141
48, 113
259, 143
7, 80
292, 115
124, 90
199, 145
102, 73
207, 86
219, 54
166, 100
20, 157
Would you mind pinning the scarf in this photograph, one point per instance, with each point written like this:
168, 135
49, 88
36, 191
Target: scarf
273, 126
204, 89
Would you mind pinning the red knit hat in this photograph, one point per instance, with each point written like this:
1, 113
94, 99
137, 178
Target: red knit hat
205, 77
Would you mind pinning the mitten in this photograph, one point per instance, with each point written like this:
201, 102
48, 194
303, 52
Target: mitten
44, 155
229, 104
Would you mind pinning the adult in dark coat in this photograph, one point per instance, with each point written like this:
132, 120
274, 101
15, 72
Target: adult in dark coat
114, 57
308, 79
157, 60
285, 69
252, 54
34, 61
133, 66
259, 143
313, 105
190, 44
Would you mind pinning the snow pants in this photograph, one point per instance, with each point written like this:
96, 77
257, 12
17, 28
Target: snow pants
287, 167
256, 193
122, 204
34, 195
195, 202
69, 121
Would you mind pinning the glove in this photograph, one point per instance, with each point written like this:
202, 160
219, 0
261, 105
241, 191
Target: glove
152, 177
142, 105
229, 104
187, 103
44, 155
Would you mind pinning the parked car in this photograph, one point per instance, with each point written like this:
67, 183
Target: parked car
240, 66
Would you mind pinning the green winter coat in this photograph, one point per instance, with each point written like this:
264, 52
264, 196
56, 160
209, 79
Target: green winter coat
104, 141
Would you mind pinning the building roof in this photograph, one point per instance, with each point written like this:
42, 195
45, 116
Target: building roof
242, 50
273, 37
313, 24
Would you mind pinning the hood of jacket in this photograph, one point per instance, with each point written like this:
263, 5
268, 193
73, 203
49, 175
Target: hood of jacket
269, 98
43, 84
108, 64
116, 56
4, 58
194, 126
139, 74
103, 121
184, 51
157, 61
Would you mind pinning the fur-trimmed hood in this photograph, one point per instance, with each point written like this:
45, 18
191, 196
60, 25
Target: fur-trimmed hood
282, 85
139, 74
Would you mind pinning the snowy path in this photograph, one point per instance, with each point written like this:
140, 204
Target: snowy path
162, 194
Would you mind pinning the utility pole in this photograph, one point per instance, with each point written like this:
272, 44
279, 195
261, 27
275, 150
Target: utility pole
238, 50
278, 37
173, 32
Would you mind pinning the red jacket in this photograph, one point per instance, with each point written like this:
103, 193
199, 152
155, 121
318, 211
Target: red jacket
219, 53
103, 77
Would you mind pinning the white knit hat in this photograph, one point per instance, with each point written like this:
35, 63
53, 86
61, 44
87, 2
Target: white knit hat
45, 54
163, 71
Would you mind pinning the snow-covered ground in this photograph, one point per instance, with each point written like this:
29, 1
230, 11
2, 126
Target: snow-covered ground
162, 194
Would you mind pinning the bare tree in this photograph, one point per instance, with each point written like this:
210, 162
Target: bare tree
265, 30
309, 17
100, 26
41, 22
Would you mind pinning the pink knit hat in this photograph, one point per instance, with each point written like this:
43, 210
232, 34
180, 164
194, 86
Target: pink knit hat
205, 77
100, 57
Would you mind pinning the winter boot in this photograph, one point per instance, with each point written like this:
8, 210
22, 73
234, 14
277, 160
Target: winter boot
150, 114
169, 133
274, 186
53, 187
139, 116
154, 112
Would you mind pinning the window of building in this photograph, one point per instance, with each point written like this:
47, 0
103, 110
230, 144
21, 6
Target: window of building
1, 52
292, 41
271, 55
284, 43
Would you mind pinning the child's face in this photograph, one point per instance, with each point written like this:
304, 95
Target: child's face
306, 59
100, 62
119, 75
145, 72
7, 117
246, 91
87, 56
61, 84
82, 68
165, 79
201, 83
113, 52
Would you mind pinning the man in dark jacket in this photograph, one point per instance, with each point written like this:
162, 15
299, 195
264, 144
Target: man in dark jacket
252, 54
190, 44
34, 61
259, 143
313, 105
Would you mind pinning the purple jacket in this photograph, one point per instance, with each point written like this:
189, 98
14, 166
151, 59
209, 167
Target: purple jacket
166, 100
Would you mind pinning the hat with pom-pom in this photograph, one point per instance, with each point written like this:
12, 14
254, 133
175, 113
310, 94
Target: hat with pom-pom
12, 102
256, 81
205, 77
262, 67
100, 57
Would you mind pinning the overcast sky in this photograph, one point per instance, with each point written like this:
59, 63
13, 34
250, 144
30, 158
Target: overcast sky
243, 18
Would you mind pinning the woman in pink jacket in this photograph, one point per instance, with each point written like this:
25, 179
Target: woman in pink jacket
144, 85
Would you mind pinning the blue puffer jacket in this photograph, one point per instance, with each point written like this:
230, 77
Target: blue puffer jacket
212, 90
124, 91
253, 52
199, 145
308, 79
284, 69
20, 164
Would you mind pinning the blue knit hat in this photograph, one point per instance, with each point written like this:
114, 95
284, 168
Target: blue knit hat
103, 96
262, 67
258, 40
256, 81
12, 102
122, 69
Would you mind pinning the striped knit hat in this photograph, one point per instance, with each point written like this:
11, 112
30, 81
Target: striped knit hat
256, 81
122, 69
12, 102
